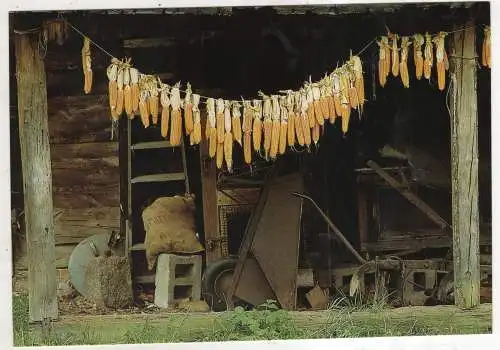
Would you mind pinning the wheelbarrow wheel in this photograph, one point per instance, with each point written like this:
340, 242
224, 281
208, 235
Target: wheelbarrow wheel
216, 282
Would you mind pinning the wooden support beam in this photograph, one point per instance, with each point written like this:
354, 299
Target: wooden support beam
464, 167
209, 199
37, 177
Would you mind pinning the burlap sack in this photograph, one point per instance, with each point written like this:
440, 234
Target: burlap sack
170, 227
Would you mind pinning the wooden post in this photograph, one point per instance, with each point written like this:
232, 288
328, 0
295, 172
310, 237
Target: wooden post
37, 177
464, 167
209, 199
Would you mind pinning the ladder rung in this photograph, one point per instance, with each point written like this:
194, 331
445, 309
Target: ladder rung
159, 178
144, 279
152, 145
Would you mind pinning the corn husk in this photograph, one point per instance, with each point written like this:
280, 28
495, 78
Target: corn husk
335, 78
294, 99
440, 59
119, 94
175, 118
268, 124
403, 64
219, 116
428, 57
153, 100
318, 111
134, 87
195, 136
86, 66
143, 108
305, 118
283, 125
395, 55
418, 57
165, 109
236, 122
112, 73
275, 129
309, 103
188, 110
257, 128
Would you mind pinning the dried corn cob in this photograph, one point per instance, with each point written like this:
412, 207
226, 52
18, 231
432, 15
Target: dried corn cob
418, 41
176, 119
196, 134
219, 155
294, 100
387, 49
219, 113
257, 125
288, 102
395, 55
315, 134
112, 73
486, 47
143, 107
309, 104
134, 87
247, 117
247, 147
283, 125
403, 64
323, 100
236, 121
345, 107
86, 65
127, 92
188, 110
275, 129
266, 114
329, 99
119, 94
357, 68
306, 130
440, 59
153, 100
228, 136
211, 119
318, 112
428, 57
351, 83
384, 60
335, 78
165, 109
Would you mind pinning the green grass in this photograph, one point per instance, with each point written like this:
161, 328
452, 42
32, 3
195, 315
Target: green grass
344, 319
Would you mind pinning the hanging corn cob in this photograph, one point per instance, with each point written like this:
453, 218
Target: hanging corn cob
112, 73
345, 106
418, 41
294, 101
335, 78
257, 125
441, 59
143, 107
195, 136
486, 47
304, 107
384, 63
323, 100
327, 81
236, 121
134, 87
268, 123
288, 102
86, 65
275, 126
188, 110
428, 57
127, 92
247, 131
351, 83
395, 55
403, 64
318, 111
165, 109
153, 99
219, 113
175, 119
311, 117
283, 125
359, 84
119, 89
228, 137
315, 131
219, 159
211, 129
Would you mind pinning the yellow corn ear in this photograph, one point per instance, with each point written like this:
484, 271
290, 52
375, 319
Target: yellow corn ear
228, 150
176, 128
236, 128
318, 112
268, 125
315, 133
311, 118
346, 114
196, 134
188, 118
428, 57
331, 109
283, 137
299, 129
353, 97
220, 127
153, 108
257, 134
306, 130
212, 142
144, 112
325, 111
113, 94
165, 119
127, 92
247, 147
275, 139
135, 98
208, 129
291, 129
395, 55
405, 78
220, 155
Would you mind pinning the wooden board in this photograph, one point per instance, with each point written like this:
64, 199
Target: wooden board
74, 225
86, 196
20, 279
62, 254
78, 119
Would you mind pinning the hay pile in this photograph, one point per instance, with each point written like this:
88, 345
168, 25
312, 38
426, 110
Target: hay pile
108, 282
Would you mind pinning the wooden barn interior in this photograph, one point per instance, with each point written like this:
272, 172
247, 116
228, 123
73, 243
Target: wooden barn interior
103, 175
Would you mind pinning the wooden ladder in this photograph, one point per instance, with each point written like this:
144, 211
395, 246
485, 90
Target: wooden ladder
166, 178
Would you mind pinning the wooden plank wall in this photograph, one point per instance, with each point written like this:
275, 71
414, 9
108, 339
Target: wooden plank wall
85, 166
